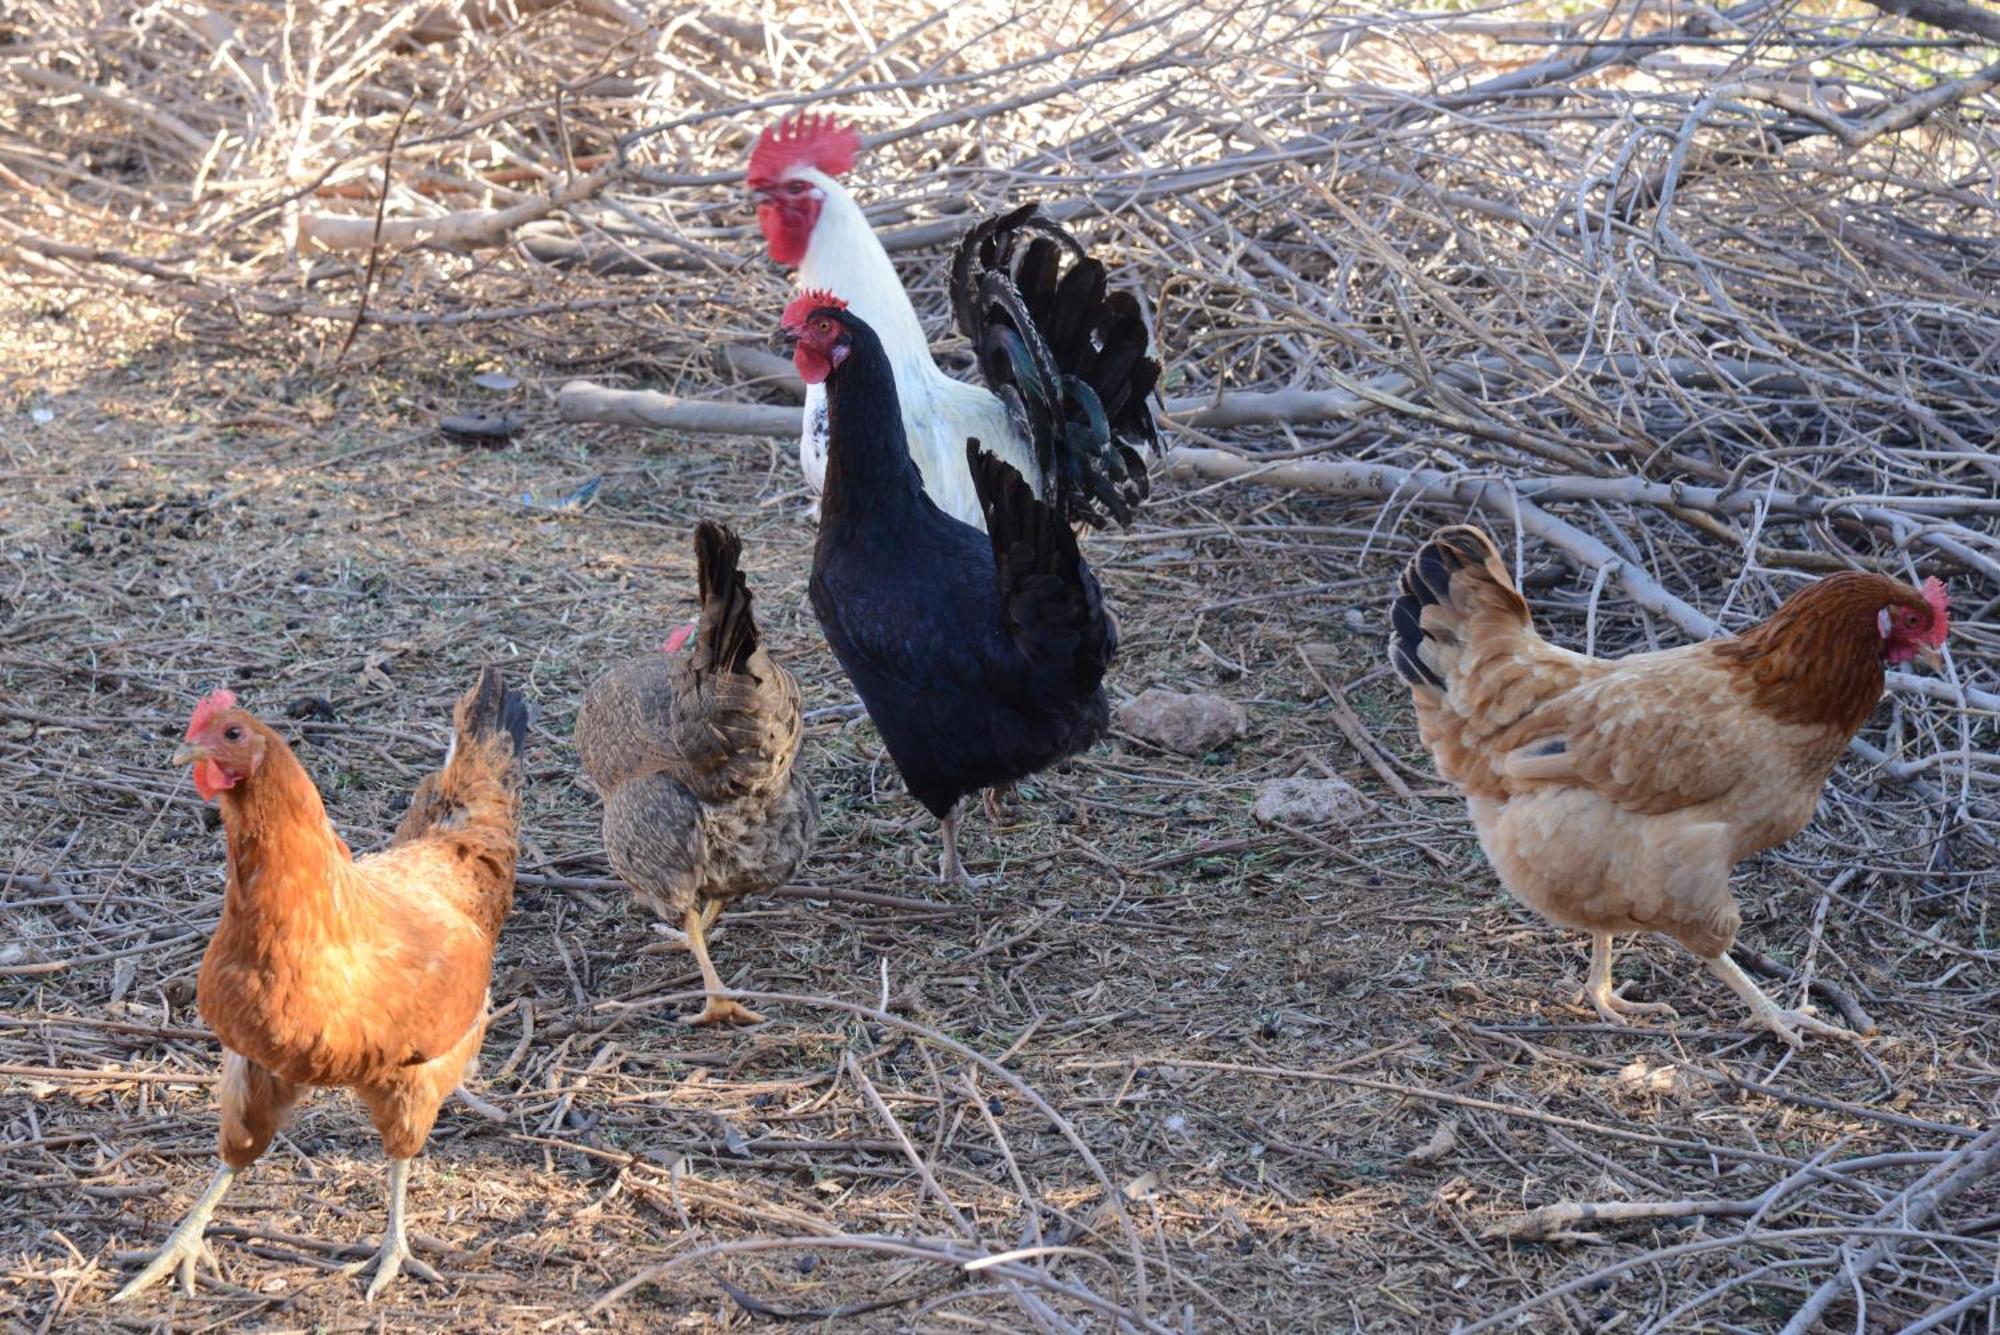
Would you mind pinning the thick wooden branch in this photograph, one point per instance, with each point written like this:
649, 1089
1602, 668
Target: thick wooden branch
1951, 15
583, 401
1916, 519
1307, 407
467, 229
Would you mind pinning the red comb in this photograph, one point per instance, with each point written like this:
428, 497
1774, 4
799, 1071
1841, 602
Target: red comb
805, 140
1940, 611
806, 302
215, 702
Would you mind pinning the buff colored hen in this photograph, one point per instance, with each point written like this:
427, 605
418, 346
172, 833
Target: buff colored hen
1616, 795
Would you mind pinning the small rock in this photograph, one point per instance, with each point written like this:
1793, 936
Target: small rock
1304, 801
1189, 724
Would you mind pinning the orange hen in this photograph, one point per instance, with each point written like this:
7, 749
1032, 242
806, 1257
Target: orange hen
1616, 795
327, 970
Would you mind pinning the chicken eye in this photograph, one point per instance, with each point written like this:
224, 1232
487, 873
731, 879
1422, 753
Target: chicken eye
233, 733
797, 187
826, 326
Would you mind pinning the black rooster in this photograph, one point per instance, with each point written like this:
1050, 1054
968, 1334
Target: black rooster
980, 656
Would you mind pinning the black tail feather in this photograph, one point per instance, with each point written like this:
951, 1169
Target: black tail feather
1068, 356
728, 633
1049, 600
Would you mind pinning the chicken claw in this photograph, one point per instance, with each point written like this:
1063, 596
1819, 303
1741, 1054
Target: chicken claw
722, 1010
1000, 810
1600, 994
1786, 1024
394, 1254
1615, 1009
185, 1246
950, 870
1766, 1013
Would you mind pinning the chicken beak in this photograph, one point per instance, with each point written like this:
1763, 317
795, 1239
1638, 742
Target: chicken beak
1931, 657
782, 342
187, 753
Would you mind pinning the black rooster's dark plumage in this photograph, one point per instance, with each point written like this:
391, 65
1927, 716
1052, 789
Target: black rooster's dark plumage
1067, 355
980, 656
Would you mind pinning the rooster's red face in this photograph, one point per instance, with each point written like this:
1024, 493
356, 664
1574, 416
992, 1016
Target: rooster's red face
788, 211
793, 163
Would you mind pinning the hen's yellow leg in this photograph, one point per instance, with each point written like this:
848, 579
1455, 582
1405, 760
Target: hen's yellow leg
394, 1253
1597, 990
185, 1245
1786, 1024
720, 1009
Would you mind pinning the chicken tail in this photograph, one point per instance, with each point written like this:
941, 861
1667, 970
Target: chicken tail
1069, 357
1456, 592
474, 800
1050, 603
728, 635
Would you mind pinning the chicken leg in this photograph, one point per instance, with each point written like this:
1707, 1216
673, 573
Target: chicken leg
950, 869
1786, 1024
720, 1009
185, 1245
1597, 989
394, 1254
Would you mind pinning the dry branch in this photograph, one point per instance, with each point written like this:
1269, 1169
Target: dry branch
1910, 1211
467, 229
582, 401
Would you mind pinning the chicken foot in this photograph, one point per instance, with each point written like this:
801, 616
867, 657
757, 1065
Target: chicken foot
720, 1009
1598, 991
1786, 1024
394, 1253
950, 869
185, 1245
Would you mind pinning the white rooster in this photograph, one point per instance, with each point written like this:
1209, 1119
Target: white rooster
1066, 359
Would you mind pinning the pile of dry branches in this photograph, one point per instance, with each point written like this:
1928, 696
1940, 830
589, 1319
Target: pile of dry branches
1700, 301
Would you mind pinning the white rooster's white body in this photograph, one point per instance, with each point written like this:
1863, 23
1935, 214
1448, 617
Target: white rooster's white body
939, 413
1066, 358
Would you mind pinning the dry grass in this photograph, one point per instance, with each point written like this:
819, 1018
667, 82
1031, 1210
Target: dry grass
1227, 1076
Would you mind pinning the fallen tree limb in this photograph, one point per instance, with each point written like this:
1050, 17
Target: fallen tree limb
1306, 407
469, 229
583, 401
1565, 1221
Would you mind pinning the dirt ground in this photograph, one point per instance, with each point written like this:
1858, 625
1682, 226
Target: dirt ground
1235, 1077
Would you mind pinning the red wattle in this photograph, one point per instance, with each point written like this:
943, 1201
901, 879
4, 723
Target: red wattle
812, 366
210, 778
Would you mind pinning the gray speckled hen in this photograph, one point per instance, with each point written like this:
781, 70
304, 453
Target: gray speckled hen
693, 750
